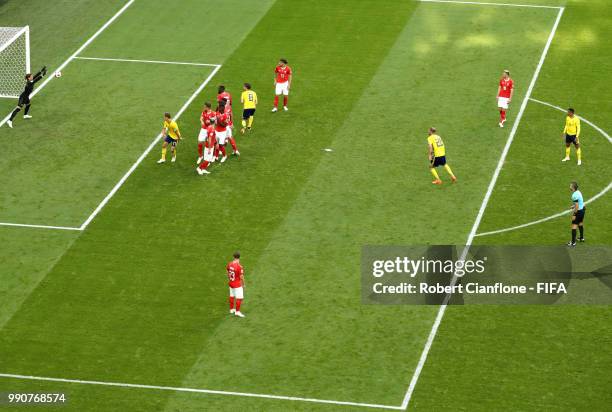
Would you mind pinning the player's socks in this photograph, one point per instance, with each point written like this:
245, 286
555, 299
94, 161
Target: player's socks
244, 123
27, 109
574, 236
222, 150
581, 229
14, 114
250, 124
450, 172
201, 149
233, 143
567, 152
579, 153
434, 173
163, 154
231, 302
275, 101
285, 100
238, 304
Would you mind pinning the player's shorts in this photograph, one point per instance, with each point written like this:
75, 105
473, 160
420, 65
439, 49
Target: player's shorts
439, 161
209, 154
502, 102
579, 216
202, 135
246, 113
221, 137
24, 99
237, 293
229, 131
282, 88
570, 138
171, 141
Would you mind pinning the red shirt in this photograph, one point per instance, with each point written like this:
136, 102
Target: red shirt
282, 73
221, 123
505, 87
234, 273
226, 96
207, 115
211, 140
230, 117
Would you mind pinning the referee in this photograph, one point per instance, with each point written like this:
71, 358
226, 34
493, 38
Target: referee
578, 210
24, 97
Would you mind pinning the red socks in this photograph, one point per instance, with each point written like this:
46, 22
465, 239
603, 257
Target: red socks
232, 302
502, 114
201, 149
275, 101
238, 303
222, 150
285, 100
233, 143
203, 166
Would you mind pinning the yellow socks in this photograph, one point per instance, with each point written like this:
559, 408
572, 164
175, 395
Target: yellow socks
250, 121
434, 173
567, 152
448, 169
163, 153
243, 123
579, 153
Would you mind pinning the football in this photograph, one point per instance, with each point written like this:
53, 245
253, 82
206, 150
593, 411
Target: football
58, 74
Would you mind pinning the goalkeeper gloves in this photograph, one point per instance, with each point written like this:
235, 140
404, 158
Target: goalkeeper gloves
44, 70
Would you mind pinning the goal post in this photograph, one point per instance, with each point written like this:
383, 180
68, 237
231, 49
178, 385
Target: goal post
14, 59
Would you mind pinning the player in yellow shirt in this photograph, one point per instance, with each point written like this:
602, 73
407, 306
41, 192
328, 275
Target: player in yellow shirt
172, 135
572, 135
437, 156
248, 98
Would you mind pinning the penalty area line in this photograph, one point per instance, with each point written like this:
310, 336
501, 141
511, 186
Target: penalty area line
479, 3
107, 59
40, 226
483, 206
195, 390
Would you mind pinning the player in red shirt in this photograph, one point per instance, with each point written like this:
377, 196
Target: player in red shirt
504, 96
235, 275
230, 127
282, 83
223, 94
209, 150
205, 120
222, 120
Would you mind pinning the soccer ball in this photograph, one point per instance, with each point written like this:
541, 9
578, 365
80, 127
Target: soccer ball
58, 74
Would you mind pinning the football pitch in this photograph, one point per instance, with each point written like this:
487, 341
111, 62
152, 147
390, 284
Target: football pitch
112, 281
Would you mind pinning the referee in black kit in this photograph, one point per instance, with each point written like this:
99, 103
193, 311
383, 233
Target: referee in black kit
24, 97
578, 210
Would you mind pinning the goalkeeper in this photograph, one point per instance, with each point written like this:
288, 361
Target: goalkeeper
24, 97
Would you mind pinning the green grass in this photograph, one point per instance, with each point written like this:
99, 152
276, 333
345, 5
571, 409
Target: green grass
140, 295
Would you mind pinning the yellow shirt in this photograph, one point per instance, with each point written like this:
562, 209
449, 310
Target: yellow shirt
572, 126
438, 145
249, 99
172, 129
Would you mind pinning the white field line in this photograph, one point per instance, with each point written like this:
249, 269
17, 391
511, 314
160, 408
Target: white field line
478, 3
39, 226
76, 53
551, 217
146, 152
194, 390
483, 206
556, 215
145, 61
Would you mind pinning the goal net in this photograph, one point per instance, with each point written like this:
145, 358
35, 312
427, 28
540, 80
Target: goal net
14, 59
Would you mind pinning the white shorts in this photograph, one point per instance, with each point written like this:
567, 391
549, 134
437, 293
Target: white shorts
209, 154
221, 137
202, 136
502, 102
237, 293
282, 88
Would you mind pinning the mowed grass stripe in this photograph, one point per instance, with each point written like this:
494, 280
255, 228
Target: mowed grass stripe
375, 188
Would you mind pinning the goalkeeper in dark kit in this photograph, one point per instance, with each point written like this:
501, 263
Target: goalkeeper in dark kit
24, 97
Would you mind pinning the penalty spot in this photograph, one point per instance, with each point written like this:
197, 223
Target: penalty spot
327, 149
